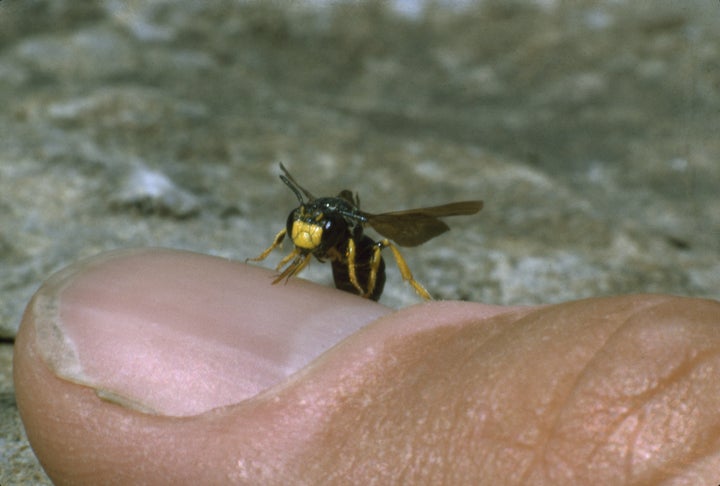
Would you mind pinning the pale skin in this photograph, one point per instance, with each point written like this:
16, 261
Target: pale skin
621, 390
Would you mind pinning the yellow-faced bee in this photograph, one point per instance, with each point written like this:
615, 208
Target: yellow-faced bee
331, 228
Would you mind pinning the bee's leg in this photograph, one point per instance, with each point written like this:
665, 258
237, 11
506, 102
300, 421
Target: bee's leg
299, 262
374, 267
276, 242
287, 258
405, 270
302, 262
350, 256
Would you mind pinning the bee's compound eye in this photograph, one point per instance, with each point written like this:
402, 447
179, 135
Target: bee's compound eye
292, 217
334, 229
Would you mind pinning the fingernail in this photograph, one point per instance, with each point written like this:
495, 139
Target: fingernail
178, 333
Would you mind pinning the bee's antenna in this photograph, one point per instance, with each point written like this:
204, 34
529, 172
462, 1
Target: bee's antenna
293, 188
292, 184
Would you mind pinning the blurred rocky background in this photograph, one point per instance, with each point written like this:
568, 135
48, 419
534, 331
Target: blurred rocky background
590, 128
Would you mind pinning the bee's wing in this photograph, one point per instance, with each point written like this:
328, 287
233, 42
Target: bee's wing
416, 226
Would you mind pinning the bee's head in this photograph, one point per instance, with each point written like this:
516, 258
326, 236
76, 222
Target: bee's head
318, 224
315, 228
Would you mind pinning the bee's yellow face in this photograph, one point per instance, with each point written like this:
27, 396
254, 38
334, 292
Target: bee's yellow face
306, 235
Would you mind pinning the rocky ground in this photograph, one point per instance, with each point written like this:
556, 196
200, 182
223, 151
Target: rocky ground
590, 129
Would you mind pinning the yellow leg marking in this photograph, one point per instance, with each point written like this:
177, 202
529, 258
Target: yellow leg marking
405, 271
276, 242
350, 256
301, 261
287, 258
374, 266
303, 264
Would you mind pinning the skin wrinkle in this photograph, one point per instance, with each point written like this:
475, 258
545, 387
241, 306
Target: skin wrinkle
564, 403
692, 453
679, 376
603, 346
642, 399
662, 473
707, 453
499, 440
684, 370
598, 355
541, 448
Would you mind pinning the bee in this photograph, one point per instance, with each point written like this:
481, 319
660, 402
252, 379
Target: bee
332, 229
